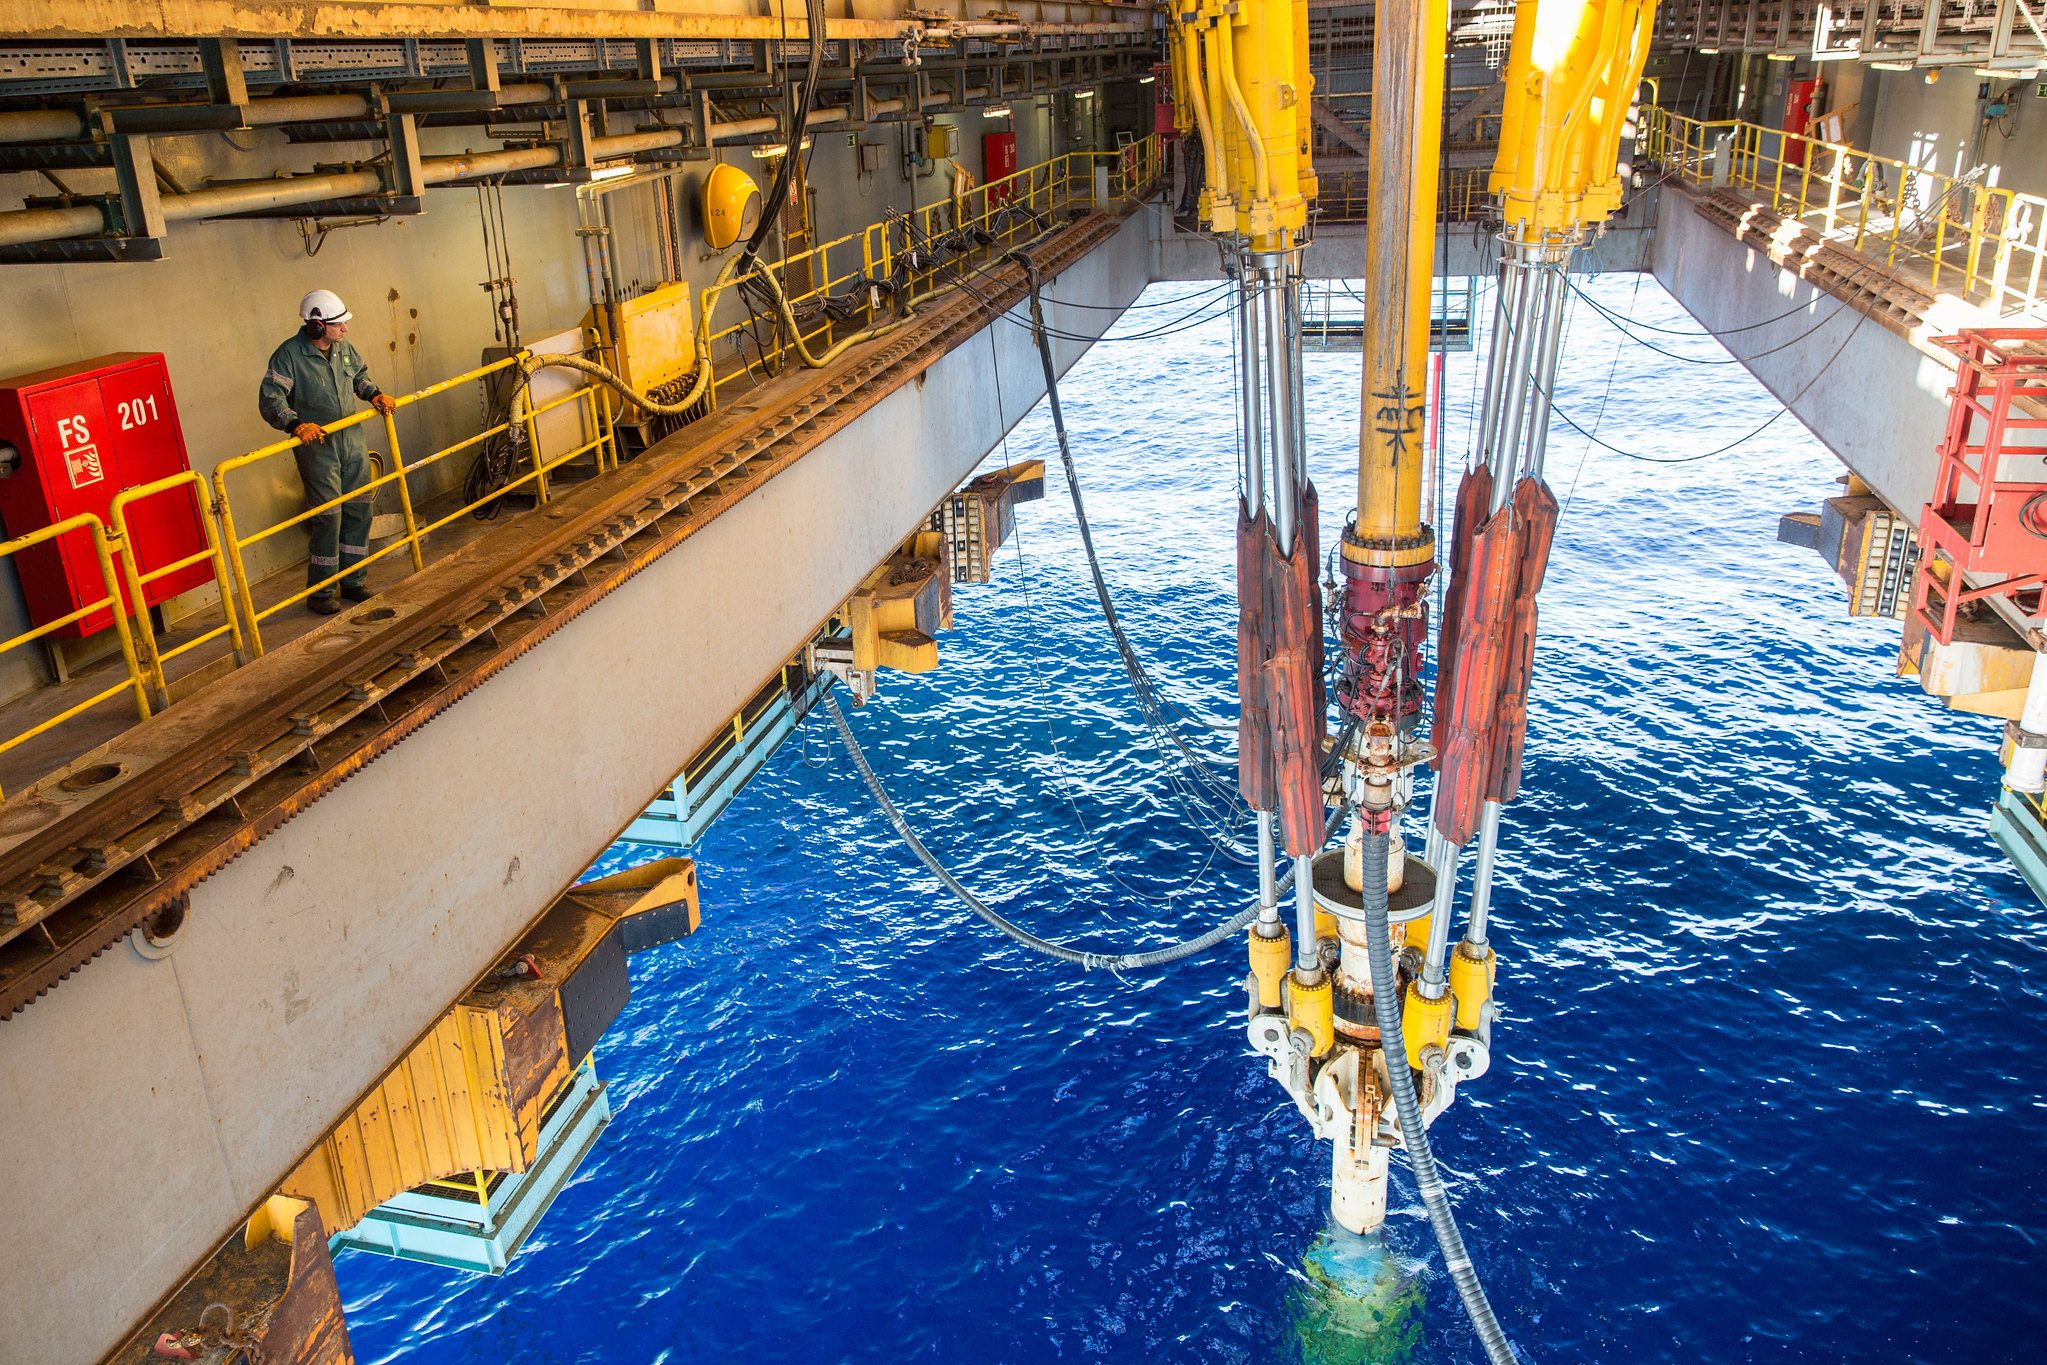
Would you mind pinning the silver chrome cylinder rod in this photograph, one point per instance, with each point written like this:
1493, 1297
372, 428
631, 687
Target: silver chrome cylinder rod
1482, 877
1506, 325
1307, 953
1436, 959
1268, 887
1514, 397
1248, 386
1279, 394
1545, 376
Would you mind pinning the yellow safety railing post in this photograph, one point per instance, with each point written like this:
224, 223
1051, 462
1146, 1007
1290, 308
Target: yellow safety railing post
404, 488
135, 682
532, 424
237, 562
123, 541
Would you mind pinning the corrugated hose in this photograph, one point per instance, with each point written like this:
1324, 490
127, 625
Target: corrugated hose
1414, 1135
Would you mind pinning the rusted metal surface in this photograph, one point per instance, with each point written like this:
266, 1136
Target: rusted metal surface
102, 19
91, 851
277, 1299
1862, 282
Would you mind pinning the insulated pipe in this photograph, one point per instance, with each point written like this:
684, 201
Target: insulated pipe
40, 125
1482, 877
468, 101
56, 125
752, 127
2028, 770
251, 196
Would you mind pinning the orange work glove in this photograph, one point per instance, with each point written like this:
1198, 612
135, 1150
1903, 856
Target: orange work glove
307, 432
384, 403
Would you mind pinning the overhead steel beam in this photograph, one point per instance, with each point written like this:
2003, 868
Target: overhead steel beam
713, 19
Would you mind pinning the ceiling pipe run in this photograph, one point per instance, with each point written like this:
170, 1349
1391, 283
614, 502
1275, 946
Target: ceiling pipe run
24, 227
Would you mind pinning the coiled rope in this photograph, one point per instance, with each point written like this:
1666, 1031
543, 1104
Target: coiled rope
1414, 1134
1092, 961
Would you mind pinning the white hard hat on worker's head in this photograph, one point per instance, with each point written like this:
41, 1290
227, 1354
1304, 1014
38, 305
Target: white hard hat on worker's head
323, 305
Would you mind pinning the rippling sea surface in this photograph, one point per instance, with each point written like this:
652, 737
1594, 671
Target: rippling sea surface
1767, 1080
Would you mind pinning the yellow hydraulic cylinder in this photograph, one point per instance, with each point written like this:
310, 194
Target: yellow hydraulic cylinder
1471, 982
1400, 241
1182, 88
1304, 125
1267, 95
1219, 130
1572, 71
1310, 1006
1425, 1023
1270, 958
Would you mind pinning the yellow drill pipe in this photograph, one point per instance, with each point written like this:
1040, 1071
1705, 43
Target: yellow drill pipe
1400, 243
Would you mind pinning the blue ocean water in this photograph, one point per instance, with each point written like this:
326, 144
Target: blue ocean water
1766, 1086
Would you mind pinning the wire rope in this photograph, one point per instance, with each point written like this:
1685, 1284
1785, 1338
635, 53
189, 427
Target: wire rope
1152, 704
1092, 961
1035, 663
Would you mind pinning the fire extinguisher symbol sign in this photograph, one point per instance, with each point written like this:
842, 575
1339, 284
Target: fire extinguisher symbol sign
81, 455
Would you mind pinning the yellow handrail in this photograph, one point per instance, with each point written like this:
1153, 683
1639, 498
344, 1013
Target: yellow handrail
234, 544
152, 660
995, 209
1988, 242
103, 551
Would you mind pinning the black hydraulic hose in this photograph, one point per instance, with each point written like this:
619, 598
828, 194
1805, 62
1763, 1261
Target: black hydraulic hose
778, 193
1132, 665
1114, 962
1413, 1134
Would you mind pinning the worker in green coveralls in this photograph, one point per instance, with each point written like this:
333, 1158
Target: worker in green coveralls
313, 382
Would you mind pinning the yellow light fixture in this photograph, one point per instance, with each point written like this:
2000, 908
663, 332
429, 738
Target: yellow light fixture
1890, 66
1780, 56
1709, 52
732, 205
770, 150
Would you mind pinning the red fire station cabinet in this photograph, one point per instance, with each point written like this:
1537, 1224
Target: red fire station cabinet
80, 434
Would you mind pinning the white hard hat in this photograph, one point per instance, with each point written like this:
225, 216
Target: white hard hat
323, 305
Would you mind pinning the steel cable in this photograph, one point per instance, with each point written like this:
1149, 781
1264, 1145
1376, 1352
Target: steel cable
1151, 702
1092, 961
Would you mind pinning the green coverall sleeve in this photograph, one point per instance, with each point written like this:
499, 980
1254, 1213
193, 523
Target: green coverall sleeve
365, 387
273, 397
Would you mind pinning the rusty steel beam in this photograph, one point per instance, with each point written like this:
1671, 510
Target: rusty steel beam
92, 851
99, 20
